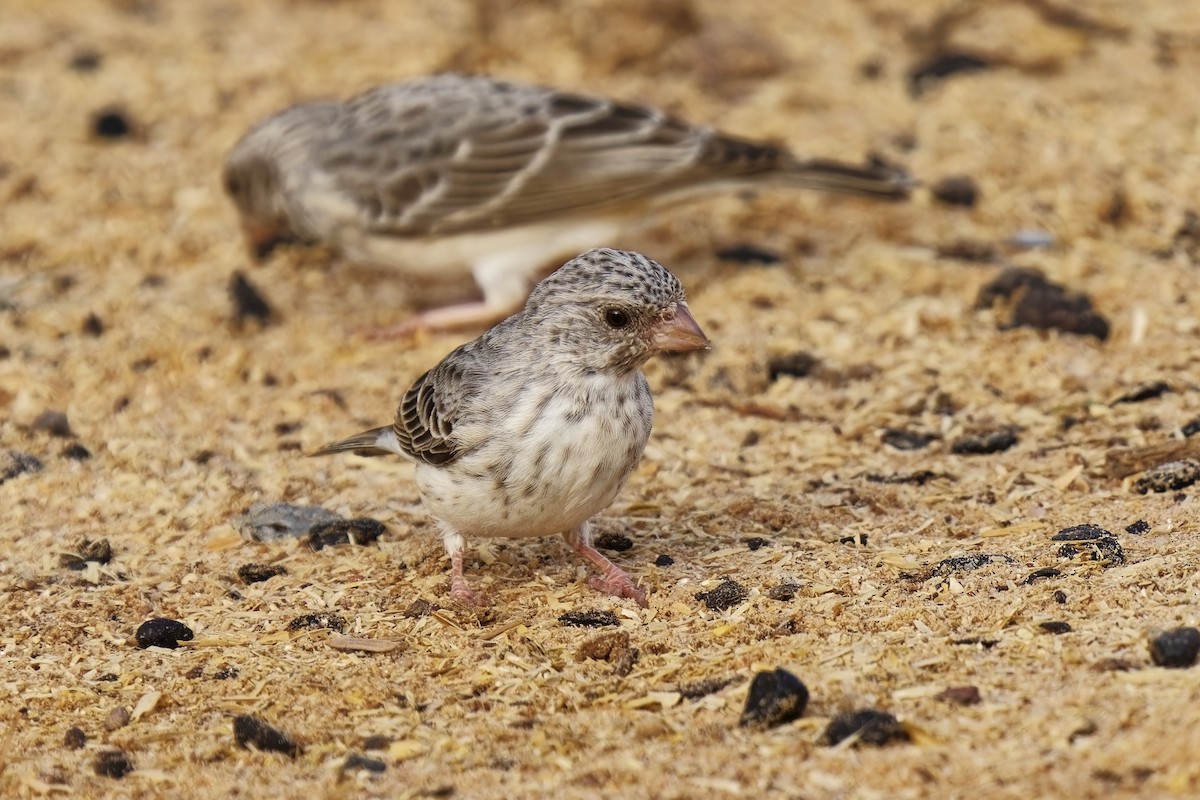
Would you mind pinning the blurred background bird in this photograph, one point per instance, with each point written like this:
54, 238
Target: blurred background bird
450, 175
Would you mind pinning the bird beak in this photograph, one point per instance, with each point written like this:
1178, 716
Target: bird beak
676, 331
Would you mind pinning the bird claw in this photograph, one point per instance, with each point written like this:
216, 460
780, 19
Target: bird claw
465, 594
619, 585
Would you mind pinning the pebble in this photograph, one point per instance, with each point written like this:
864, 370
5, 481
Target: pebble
1191, 427
358, 761
984, 443
112, 764
86, 550
1139, 527
799, 364
784, 592
256, 573
264, 522
112, 122
163, 632
250, 730
1176, 648
588, 619
942, 66
54, 423
960, 695
663, 560
1033, 301
1055, 627
774, 698
613, 647
956, 190
748, 254
93, 326
949, 566
702, 688
1140, 394
907, 440
1081, 533
117, 717
319, 621
76, 452
617, 542
757, 543
14, 463
74, 738
872, 727
725, 595
248, 301
358, 531
1168, 477
1043, 573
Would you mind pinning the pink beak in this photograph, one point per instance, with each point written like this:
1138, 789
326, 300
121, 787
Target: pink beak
676, 331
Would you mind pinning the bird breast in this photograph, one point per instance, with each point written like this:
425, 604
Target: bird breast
554, 457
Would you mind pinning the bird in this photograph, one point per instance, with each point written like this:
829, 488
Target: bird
448, 175
533, 428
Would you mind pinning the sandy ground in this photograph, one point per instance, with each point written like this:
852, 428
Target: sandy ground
115, 261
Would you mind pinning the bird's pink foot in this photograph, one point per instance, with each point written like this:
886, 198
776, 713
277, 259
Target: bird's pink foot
463, 593
618, 584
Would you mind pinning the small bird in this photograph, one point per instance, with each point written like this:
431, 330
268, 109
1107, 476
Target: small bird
448, 175
532, 429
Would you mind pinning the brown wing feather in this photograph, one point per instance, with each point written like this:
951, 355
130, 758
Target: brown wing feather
427, 414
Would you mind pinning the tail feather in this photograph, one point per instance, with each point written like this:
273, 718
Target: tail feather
877, 179
375, 442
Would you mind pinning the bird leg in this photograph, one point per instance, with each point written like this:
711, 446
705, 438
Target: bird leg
613, 579
455, 546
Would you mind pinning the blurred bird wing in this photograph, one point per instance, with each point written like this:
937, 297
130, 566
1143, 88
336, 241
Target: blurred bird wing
418, 165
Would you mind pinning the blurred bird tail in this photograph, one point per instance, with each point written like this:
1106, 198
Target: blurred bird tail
876, 179
375, 442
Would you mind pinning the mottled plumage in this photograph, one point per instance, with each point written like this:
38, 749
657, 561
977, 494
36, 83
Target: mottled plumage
447, 174
532, 428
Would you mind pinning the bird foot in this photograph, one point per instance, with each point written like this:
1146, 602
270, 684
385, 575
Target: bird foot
618, 584
463, 593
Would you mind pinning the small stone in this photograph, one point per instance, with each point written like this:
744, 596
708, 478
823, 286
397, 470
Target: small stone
14, 463
52, 422
418, 608
359, 531
74, 738
163, 632
906, 440
871, 726
268, 523
774, 698
1140, 394
1081, 533
956, 190
960, 695
588, 619
940, 67
793, 365
1191, 427
1175, 649
1169, 477
1031, 300
357, 761
320, 621
1139, 527
250, 730
256, 573
112, 764
950, 566
1060, 596
86, 61
117, 717
1055, 627
984, 443
377, 741
663, 560
613, 647
76, 452
702, 688
1044, 573
859, 539
248, 301
970, 250
111, 123
748, 254
757, 543
1106, 550
617, 542
724, 596
93, 326
86, 550
784, 592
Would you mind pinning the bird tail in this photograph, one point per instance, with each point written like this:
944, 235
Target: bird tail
375, 442
876, 179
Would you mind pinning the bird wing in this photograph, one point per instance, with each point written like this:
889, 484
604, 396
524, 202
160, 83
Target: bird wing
453, 153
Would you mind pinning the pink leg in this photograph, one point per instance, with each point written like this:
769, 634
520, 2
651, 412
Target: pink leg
459, 589
612, 579
464, 315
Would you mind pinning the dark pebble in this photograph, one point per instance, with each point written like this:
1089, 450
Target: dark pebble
1036, 302
613, 647
726, 595
1044, 573
986, 443
1059, 596
52, 422
86, 550
377, 741
1175, 648
784, 592
357, 761
1055, 627
902, 439
940, 67
949, 566
918, 478
956, 190
748, 254
359, 531
74, 738
1140, 394
1169, 477
617, 542
256, 573
968, 250
111, 123
316, 622
226, 673
93, 326
284, 428
270, 522
1081, 533
859, 539
1107, 550
14, 463
663, 560
418, 608
1139, 527
794, 365
872, 726
1191, 427
162, 632
86, 61
960, 695
588, 619
249, 730
248, 301
774, 698
76, 452
702, 688
757, 543
112, 764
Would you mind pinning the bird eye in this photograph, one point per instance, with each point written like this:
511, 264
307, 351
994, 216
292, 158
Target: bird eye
616, 318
